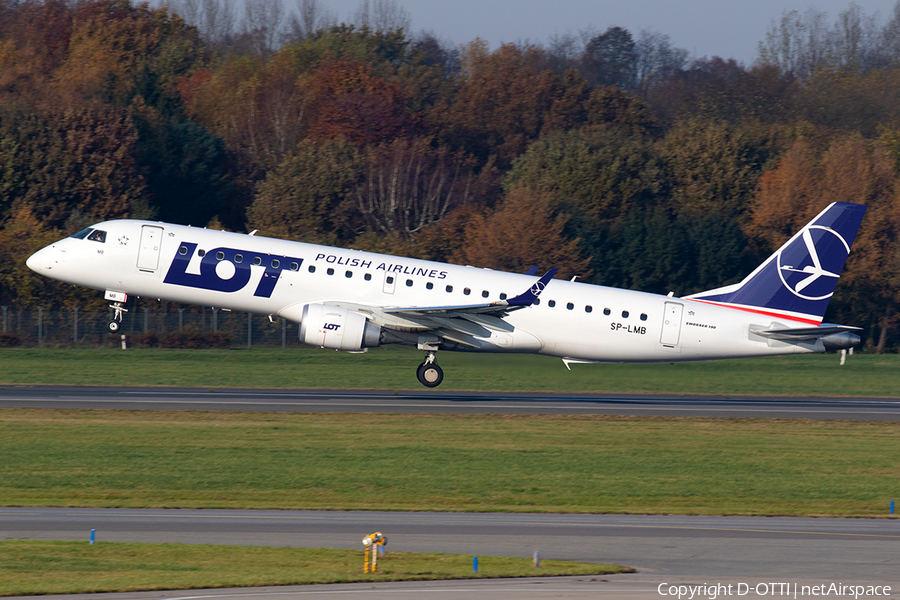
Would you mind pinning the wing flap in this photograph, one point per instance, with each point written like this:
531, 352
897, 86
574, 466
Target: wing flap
462, 325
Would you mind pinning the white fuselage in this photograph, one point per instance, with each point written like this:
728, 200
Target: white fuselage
572, 320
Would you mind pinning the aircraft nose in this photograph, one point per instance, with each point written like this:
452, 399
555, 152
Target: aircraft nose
38, 261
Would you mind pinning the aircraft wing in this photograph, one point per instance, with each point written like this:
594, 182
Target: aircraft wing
498, 308
471, 319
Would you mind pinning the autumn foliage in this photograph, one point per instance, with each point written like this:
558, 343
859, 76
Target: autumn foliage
614, 157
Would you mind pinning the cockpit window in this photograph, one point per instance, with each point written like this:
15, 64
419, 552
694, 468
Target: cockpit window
82, 234
98, 235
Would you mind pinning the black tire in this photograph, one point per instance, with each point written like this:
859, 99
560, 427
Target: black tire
430, 374
113, 326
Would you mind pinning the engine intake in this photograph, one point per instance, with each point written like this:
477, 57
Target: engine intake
338, 328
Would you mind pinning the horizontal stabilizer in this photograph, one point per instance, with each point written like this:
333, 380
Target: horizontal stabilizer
803, 333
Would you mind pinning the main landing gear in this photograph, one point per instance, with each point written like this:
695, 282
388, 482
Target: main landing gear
116, 323
429, 373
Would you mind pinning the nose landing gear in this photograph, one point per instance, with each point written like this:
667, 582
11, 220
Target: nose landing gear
429, 373
116, 322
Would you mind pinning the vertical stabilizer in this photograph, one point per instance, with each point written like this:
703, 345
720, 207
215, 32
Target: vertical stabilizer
797, 281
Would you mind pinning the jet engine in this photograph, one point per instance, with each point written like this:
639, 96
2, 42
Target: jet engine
840, 341
338, 328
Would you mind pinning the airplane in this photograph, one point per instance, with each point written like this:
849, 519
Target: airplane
351, 300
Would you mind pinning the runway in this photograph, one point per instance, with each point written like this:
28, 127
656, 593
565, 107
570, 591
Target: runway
664, 549
158, 398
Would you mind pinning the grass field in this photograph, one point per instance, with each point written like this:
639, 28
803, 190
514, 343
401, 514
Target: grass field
37, 567
448, 462
393, 368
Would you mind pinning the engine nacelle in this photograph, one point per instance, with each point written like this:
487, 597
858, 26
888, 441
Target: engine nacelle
840, 341
338, 328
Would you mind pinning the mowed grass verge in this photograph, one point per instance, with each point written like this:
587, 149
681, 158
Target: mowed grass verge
39, 567
393, 368
523, 463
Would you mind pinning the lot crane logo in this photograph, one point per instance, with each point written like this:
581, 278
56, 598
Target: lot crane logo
810, 265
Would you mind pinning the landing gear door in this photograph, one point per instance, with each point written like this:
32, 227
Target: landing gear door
671, 327
390, 282
148, 254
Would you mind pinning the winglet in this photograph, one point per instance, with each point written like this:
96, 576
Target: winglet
529, 296
533, 270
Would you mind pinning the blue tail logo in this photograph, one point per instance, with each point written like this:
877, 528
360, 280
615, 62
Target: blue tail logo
807, 282
797, 281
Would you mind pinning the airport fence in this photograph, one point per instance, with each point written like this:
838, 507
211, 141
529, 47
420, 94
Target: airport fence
143, 326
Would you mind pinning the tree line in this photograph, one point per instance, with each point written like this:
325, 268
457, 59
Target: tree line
614, 156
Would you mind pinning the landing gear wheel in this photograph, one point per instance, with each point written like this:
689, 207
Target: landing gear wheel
118, 314
430, 374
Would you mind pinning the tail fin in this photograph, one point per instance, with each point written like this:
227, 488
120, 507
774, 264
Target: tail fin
797, 281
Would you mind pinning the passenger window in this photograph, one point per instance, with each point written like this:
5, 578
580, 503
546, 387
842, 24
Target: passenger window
220, 256
409, 283
503, 296
348, 274
570, 306
239, 258
624, 314
294, 266
368, 277
551, 303
82, 234
449, 288
588, 308
276, 263
330, 271
97, 236
390, 280
429, 286
201, 253
467, 291
643, 317
257, 261
312, 268
485, 294
606, 311
182, 251
537, 301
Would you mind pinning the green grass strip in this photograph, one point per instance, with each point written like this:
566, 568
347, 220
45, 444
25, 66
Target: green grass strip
393, 368
30, 567
522, 463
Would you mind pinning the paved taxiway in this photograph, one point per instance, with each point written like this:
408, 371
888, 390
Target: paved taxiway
136, 398
672, 549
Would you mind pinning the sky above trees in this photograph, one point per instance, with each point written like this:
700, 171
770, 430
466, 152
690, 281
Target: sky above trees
703, 27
